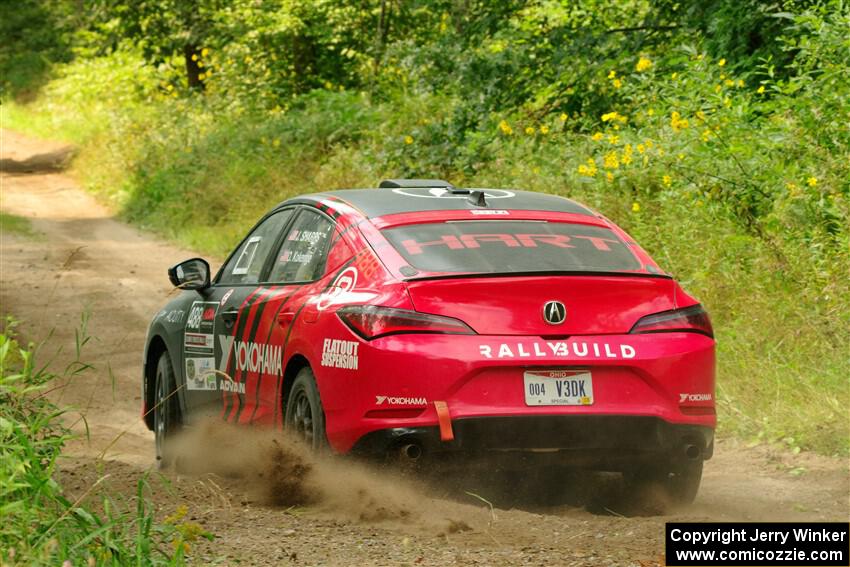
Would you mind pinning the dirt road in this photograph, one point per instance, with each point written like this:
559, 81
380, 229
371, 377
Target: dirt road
80, 259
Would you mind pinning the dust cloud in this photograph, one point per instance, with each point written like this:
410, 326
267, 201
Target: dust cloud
276, 470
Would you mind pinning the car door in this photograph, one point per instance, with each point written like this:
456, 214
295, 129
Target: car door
222, 313
295, 271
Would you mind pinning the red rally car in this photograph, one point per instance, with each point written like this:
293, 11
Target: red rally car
424, 319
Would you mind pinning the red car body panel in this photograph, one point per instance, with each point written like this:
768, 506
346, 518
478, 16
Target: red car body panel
391, 383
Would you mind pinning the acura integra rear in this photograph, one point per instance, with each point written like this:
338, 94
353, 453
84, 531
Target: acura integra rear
428, 320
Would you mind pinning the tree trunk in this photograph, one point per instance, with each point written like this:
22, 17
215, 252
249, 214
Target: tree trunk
191, 54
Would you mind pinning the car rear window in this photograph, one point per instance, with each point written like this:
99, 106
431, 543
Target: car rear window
511, 246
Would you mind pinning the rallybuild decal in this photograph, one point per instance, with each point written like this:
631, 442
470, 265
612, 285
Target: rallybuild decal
340, 354
539, 349
198, 346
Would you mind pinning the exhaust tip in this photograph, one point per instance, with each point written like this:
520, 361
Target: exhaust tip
410, 451
693, 452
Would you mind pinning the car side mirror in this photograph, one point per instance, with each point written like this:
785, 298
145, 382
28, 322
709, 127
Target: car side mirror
190, 274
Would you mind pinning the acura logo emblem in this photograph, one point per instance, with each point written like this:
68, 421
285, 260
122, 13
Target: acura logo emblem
554, 312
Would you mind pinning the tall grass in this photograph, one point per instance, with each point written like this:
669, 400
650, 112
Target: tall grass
41, 524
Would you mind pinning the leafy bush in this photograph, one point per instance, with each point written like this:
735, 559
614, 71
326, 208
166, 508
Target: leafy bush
41, 526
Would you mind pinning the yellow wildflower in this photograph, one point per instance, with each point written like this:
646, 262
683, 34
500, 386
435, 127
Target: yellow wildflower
611, 161
194, 57
563, 117
729, 83
649, 144
205, 51
740, 83
598, 136
706, 135
588, 169
812, 181
169, 87
202, 76
674, 76
612, 116
677, 122
612, 74
727, 102
667, 180
643, 64
626, 159
609, 176
760, 90
505, 128
721, 63
680, 157
408, 140
718, 88
650, 112
613, 139
641, 148
530, 130
544, 129
617, 83
635, 207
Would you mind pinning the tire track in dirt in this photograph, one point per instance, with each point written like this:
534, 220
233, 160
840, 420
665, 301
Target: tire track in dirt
82, 259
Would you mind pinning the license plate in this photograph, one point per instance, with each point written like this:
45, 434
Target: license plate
558, 388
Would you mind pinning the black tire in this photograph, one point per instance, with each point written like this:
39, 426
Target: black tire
304, 416
166, 413
678, 481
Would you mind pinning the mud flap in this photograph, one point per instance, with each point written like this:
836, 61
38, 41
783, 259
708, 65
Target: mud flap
445, 420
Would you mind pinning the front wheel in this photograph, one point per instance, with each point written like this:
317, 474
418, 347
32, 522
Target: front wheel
166, 413
305, 418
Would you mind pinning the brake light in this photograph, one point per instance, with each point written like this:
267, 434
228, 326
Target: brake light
372, 321
693, 319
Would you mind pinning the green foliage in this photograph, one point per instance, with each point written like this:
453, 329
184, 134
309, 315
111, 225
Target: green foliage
34, 34
41, 525
14, 224
715, 132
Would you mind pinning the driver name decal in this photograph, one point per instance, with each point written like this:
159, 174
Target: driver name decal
560, 349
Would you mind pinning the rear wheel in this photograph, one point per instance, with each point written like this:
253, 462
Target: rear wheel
678, 482
166, 413
305, 418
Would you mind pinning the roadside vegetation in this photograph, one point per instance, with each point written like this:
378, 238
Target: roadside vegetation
42, 524
714, 132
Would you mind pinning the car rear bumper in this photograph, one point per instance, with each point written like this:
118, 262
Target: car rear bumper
610, 442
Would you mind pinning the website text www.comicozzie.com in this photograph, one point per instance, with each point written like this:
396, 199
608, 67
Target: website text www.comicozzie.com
743, 544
